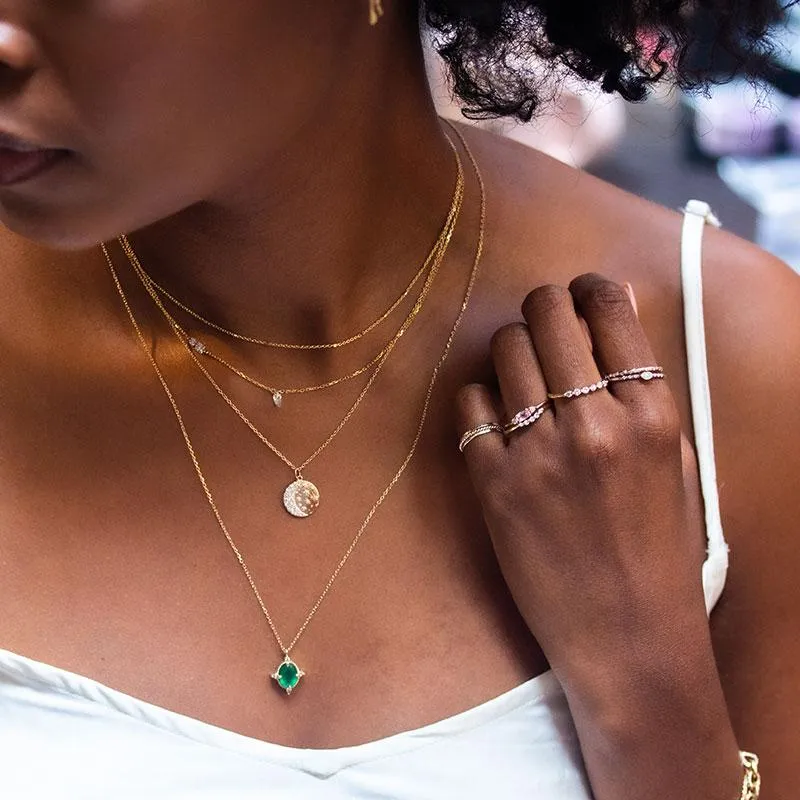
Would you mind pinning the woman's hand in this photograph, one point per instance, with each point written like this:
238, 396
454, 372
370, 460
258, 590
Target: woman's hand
595, 518
593, 523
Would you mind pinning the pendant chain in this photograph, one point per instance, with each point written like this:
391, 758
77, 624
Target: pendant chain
286, 649
298, 468
202, 348
433, 262
298, 346
440, 251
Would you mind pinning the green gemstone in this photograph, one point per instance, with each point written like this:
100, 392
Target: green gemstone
288, 675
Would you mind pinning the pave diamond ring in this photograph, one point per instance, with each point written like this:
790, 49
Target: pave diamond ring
636, 374
578, 391
525, 417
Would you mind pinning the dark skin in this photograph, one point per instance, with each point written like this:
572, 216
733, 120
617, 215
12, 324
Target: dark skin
112, 565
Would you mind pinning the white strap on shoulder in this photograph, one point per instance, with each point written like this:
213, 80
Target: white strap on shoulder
696, 215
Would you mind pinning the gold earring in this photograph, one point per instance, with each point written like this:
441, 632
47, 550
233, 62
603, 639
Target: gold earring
375, 11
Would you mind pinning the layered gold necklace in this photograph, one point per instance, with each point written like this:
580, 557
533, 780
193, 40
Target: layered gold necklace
287, 673
301, 497
278, 394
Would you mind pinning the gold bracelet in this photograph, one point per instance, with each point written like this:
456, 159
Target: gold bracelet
751, 788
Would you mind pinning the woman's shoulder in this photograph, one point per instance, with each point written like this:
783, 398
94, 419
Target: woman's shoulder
551, 223
548, 222
541, 205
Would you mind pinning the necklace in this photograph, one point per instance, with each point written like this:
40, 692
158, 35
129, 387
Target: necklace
293, 345
288, 674
457, 195
301, 498
275, 392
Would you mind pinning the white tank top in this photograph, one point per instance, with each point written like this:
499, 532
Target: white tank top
66, 737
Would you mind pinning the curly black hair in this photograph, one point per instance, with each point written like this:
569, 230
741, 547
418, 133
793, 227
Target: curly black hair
624, 45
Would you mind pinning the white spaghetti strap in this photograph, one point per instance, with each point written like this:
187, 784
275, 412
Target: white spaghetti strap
696, 215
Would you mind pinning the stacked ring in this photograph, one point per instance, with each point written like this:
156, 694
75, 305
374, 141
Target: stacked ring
636, 374
532, 414
481, 430
525, 417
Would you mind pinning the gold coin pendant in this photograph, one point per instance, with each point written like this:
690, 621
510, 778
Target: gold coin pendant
301, 498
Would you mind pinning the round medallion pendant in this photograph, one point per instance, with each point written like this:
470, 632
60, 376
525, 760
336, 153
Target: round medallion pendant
301, 498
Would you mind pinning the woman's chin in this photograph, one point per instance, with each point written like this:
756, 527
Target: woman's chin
52, 230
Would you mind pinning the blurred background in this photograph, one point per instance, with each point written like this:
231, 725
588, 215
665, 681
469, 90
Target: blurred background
737, 146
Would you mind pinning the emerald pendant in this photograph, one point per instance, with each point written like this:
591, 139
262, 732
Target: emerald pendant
288, 675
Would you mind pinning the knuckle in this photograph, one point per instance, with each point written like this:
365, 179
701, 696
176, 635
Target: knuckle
657, 425
597, 444
583, 283
469, 402
509, 338
546, 299
466, 395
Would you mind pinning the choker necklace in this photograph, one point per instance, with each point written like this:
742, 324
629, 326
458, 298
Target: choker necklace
287, 674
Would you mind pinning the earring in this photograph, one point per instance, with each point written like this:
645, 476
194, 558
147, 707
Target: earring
375, 11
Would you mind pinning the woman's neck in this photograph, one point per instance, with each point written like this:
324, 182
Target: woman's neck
317, 240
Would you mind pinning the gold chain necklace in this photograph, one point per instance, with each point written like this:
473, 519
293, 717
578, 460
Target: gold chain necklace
295, 345
324, 345
288, 673
301, 497
275, 392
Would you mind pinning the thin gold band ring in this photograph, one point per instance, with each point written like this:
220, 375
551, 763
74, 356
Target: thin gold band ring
481, 430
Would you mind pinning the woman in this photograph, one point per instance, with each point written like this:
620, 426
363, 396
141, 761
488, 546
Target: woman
525, 620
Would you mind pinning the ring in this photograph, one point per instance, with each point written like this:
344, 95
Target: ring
636, 374
525, 417
474, 433
581, 390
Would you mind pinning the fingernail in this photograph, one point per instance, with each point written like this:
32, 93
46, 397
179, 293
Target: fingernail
629, 291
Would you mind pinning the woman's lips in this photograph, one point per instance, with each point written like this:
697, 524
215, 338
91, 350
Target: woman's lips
18, 165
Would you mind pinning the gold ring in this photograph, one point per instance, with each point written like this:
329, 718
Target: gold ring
636, 374
481, 430
525, 417
578, 391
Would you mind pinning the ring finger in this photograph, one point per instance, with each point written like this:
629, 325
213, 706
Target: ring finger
519, 374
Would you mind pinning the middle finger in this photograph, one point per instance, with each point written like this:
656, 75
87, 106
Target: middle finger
560, 342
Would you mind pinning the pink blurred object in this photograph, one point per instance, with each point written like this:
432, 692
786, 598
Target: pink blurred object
738, 118
792, 121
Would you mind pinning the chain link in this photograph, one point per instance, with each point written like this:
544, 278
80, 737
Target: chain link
433, 256
318, 346
751, 787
